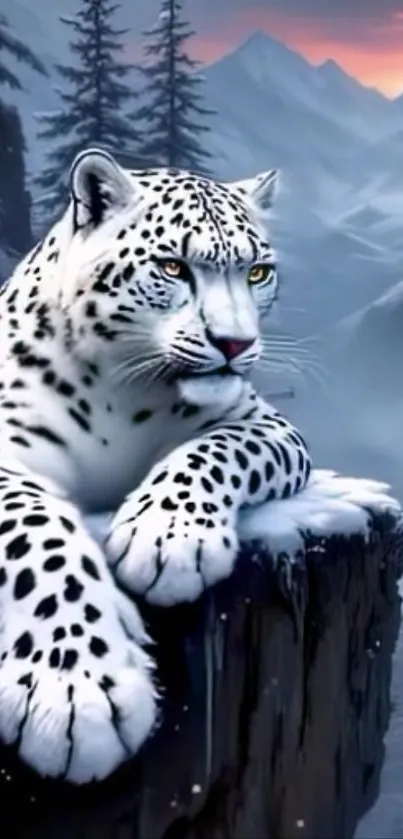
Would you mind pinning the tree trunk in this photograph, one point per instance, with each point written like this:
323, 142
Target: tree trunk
276, 703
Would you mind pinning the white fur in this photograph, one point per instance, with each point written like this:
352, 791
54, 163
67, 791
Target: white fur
83, 744
209, 391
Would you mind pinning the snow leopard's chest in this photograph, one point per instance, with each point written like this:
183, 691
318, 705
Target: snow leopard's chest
95, 442
124, 445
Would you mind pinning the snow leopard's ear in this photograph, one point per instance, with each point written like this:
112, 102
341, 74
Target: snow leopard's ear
98, 186
262, 189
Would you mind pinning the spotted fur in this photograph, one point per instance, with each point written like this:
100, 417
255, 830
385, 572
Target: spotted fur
128, 335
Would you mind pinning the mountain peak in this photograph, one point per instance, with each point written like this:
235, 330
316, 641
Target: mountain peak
261, 51
332, 70
260, 41
330, 64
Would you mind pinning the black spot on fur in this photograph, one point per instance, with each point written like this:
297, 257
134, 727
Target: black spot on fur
159, 478
196, 461
142, 416
82, 422
24, 645
98, 646
89, 567
91, 613
287, 490
241, 459
70, 658
252, 447
208, 507
67, 524
53, 544
46, 434
35, 520
73, 589
182, 478
47, 607
254, 481
7, 525
54, 658
24, 584
54, 563
217, 474
206, 484
168, 504
18, 547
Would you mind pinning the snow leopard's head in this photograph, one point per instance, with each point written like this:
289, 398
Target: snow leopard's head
171, 269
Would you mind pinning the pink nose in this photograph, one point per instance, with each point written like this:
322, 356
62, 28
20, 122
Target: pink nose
231, 347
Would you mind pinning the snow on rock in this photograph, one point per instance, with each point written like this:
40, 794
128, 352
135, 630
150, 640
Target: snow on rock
330, 505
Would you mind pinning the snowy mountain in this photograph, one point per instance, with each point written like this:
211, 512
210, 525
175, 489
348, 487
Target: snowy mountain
354, 419
365, 110
275, 115
372, 340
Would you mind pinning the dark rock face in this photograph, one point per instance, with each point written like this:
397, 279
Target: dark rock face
276, 704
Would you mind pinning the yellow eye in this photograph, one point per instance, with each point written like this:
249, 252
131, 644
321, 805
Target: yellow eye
259, 273
172, 268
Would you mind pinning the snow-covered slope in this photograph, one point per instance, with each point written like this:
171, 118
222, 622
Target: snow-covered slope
276, 114
372, 342
365, 110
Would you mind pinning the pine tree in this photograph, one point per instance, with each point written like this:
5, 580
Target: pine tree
172, 89
15, 48
15, 200
91, 103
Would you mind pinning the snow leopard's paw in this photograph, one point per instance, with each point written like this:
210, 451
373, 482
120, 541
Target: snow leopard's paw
76, 693
171, 549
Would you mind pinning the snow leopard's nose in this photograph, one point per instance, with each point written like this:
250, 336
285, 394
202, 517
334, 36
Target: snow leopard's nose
230, 347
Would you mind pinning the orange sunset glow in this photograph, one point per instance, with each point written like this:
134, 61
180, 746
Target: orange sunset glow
377, 61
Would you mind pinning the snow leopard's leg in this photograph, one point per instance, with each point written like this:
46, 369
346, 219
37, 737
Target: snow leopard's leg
177, 533
76, 695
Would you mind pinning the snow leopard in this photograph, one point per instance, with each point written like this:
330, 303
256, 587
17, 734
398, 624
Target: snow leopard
128, 338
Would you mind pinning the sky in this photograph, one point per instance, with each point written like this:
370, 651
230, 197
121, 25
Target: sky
364, 36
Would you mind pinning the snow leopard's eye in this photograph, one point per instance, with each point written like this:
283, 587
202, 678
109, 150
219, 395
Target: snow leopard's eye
260, 274
174, 268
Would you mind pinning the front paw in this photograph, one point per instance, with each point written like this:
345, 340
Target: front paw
171, 556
